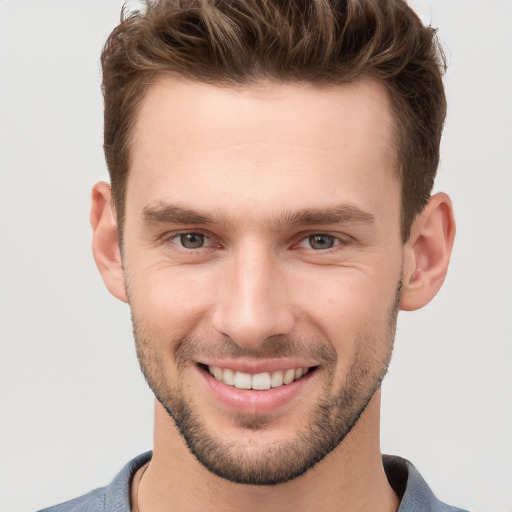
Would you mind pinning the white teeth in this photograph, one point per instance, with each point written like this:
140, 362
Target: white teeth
289, 376
243, 380
229, 377
277, 379
259, 381
217, 372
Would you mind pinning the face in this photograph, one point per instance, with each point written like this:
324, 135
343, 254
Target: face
262, 258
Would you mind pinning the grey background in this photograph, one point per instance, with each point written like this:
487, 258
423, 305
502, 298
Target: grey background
74, 407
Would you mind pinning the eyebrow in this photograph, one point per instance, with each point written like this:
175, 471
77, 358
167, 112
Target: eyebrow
173, 214
170, 214
345, 214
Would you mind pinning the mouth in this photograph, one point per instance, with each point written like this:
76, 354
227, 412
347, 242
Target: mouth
250, 390
262, 381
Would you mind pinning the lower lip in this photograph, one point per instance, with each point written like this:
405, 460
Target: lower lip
249, 401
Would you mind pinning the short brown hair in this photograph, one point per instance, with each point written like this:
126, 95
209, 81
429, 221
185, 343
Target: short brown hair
246, 42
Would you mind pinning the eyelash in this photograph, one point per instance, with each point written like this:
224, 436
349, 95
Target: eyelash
174, 238
336, 241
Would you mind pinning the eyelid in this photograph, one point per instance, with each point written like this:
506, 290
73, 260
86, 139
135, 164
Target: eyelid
171, 236
339, 239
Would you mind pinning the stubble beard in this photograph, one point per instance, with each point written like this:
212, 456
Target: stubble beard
323, 429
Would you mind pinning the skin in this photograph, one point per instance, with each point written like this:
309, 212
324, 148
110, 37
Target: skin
250, 161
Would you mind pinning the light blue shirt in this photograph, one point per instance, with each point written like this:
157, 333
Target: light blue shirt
405, 479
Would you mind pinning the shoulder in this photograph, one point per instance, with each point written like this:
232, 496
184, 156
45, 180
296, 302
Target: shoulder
115, 497
93, 501
414, 492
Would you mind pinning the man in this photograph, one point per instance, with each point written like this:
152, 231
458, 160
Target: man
269, 213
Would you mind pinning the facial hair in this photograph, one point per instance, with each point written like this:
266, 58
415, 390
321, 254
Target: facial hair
323, 429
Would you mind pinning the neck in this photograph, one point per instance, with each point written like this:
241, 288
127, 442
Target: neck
351, 478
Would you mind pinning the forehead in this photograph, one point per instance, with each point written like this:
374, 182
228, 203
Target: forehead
305, 113
262, 143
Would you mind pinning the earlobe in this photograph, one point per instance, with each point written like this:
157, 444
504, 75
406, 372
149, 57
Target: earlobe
427, 253
105, 243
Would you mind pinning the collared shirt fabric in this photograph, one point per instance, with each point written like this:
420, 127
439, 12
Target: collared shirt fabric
415, 494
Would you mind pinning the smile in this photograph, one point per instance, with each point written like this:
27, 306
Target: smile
257, 381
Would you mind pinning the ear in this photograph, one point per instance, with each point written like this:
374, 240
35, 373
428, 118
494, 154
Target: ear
105, 243
427, 253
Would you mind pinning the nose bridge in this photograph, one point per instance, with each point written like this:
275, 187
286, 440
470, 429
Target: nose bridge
252, 303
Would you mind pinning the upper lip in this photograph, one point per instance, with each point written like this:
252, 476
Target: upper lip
256, 366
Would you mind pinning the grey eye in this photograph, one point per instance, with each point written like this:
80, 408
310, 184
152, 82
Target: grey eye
320, 242
192, 240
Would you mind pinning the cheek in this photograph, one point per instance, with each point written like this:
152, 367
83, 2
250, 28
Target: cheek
170, 304
349, 297
355, 315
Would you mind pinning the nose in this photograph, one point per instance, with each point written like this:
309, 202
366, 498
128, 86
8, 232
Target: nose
252, 304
